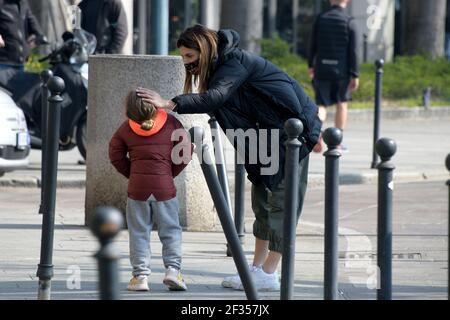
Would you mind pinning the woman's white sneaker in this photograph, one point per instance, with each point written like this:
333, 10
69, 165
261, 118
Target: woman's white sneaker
264, 281
235, 281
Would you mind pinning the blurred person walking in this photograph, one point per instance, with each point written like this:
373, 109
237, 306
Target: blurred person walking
333, 63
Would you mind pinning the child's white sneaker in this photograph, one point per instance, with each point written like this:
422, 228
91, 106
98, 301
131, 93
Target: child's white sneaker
235, 281
139, 283
174, 280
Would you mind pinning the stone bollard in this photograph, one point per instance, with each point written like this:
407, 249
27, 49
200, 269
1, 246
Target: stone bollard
333, 138
45, 268
111, 77
294, 129
386, 149
105, 225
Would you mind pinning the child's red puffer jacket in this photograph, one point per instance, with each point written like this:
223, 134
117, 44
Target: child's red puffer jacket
145, 157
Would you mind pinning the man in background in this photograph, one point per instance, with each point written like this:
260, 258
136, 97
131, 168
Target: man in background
19, 32
106, 19
333, 63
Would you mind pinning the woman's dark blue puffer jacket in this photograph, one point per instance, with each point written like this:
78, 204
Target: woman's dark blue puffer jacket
248, 92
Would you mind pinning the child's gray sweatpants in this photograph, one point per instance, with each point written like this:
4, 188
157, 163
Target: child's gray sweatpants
141, 215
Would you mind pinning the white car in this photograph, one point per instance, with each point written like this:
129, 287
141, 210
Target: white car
14, 136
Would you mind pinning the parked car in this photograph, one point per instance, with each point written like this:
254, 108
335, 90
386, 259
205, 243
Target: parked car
14, 136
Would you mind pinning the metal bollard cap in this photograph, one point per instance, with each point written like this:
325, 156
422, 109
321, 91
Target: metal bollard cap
386, 148
332, 137
379, 63
447, 162
46, 75
56, 85
106, 223
293, 128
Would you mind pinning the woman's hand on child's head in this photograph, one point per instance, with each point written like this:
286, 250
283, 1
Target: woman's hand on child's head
150, 96
154, 98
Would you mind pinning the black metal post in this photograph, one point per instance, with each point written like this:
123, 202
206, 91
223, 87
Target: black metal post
45, 267
294, 129
317, 7
239, 199
106, 223
365, 47
187, 13
447, 164
203, 12
376, 126
333, 138
202, 150
45, 76
385, 148
271, 18
426, 97
220, 166
295, 11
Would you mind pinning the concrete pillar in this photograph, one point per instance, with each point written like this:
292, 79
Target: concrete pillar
160, 27
210, 13
246, 17
142, 26
110, 79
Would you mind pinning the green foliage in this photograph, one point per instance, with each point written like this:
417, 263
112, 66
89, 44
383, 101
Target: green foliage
403, 80
279, 52
276, 48
174, 52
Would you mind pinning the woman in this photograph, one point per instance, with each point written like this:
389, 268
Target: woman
245, 91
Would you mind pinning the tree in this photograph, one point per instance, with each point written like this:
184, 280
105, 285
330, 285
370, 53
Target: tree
246, 17
425, 27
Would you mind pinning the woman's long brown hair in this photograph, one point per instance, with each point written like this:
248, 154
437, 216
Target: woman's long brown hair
205, 41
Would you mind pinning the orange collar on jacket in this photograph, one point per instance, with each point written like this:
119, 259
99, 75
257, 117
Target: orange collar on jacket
160, 121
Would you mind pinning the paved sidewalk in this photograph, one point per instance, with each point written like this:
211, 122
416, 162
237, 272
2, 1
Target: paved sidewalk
420, 226
419, 264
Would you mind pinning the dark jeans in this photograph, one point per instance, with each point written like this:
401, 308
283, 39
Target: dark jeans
4, 67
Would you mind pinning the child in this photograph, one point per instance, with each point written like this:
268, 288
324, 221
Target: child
143, 151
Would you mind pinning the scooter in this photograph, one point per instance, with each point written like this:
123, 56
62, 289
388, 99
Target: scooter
70, 62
